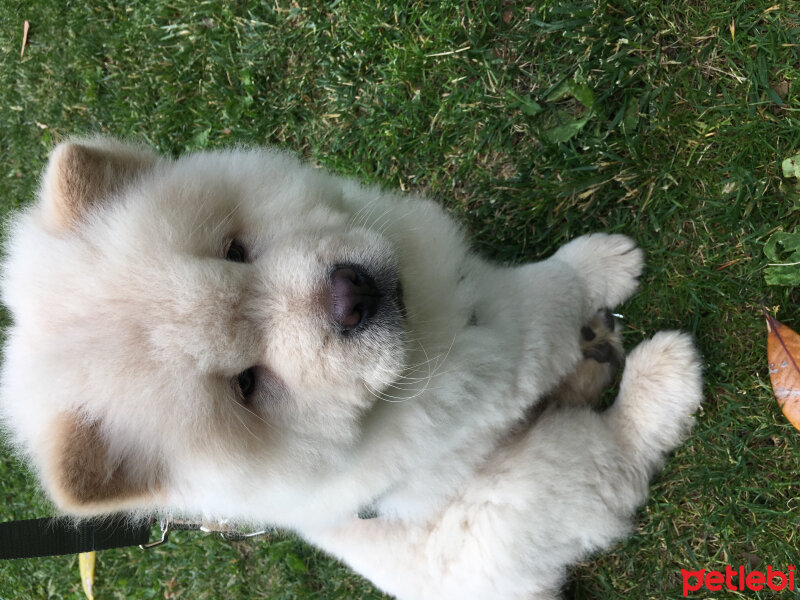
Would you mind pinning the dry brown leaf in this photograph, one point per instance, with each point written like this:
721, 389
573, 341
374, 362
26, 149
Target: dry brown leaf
25, 27
783, 354
781, 88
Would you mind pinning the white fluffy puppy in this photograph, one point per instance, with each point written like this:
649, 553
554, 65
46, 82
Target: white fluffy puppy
234, 335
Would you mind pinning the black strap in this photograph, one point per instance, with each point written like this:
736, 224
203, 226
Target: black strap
59, 535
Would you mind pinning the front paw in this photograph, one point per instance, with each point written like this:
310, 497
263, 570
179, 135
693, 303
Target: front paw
661, 388
609, 264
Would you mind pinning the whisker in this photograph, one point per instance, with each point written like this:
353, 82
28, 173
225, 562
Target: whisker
225, 220
360, 217
243, 423
394, 399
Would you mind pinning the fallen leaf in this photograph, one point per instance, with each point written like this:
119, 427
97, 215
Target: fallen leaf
25, 27
630, 118
567, 130
781, 88
568, 88
783, 252
783, 354
86, 562
791, 166
527, 105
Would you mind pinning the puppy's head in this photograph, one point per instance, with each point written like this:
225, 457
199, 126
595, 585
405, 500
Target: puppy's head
223, 313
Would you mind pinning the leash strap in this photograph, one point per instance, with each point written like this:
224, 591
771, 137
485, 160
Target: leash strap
59, 535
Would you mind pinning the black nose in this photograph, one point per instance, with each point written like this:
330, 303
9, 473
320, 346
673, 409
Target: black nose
354, 297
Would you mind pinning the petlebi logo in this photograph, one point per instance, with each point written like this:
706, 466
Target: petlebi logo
738, 580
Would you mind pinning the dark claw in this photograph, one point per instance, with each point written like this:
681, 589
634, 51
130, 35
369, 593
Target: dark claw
608, 319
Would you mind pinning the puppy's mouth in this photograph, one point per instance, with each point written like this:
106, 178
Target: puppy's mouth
358, 300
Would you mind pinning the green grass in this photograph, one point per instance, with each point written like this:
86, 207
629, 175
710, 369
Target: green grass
678, 130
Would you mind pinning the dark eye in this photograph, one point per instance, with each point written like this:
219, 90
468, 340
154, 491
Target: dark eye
246, 382
235, 252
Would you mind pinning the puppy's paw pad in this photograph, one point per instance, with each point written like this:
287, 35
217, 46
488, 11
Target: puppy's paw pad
603, 354
600, 341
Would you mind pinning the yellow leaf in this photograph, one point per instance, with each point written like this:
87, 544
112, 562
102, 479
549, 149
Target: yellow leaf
783, 354
86, 567
25, 27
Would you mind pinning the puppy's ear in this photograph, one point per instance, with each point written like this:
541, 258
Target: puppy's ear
85, 479
83, 174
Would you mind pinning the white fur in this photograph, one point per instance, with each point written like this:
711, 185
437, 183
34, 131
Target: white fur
133, 320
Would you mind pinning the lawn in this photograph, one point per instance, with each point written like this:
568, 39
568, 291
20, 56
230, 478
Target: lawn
666, 120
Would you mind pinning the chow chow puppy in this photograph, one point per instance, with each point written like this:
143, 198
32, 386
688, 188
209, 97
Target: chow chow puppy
235, 335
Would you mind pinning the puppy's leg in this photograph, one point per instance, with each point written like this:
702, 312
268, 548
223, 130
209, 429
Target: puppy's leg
591, 470
562, 294
573, 483
465, 554
661, 387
